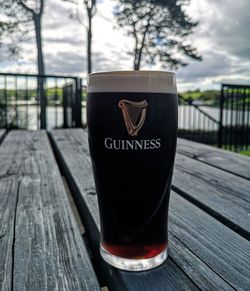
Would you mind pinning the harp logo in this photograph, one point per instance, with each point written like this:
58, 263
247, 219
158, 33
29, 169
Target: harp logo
134, 114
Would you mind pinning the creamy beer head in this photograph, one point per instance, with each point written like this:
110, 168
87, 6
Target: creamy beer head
132, 130
132, 81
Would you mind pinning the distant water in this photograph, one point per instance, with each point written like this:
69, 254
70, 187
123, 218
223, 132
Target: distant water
29, 117
189, 118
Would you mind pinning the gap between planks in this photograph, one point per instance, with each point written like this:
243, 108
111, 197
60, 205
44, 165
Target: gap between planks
73, 207
78, 219
75, 140
225, 160
80, 225
44, 224
3, 134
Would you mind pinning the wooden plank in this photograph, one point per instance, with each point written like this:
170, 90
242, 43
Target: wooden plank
223, 250
74, 145
72, 149
223, 195
10, 162
225, 160
2, 134
45, 247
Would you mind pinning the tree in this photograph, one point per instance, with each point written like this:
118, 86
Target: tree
21, 16
159, 29
91, 11
90, 6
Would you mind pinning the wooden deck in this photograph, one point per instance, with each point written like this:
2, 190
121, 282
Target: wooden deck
41, 246
225, 160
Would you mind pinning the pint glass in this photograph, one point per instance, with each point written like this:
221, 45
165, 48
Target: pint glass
132, 131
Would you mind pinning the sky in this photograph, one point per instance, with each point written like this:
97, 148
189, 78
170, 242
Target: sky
222, 38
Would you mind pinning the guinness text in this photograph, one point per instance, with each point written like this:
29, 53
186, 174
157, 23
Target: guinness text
133, 144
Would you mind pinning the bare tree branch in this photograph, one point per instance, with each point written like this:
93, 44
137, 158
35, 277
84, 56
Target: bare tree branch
90, 6
41, 7
26, 7
153, 25
21, 19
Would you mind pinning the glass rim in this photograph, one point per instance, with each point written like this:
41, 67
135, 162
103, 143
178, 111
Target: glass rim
132, 73
132, 81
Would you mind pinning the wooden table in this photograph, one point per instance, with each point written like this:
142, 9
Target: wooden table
43, 245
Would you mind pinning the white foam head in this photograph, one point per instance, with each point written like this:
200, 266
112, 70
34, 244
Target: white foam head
132, 81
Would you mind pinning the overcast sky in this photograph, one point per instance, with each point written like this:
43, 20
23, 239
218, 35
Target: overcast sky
222, 38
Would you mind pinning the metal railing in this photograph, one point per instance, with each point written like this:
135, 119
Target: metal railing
35, 101
234, 130
50, 101
196, 124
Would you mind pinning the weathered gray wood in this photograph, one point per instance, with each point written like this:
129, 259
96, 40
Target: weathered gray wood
72, 149
220, 248
45, 250
11, 152
223, 195
2, 134
226, 160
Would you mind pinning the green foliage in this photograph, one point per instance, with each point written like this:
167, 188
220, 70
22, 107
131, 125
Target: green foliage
52, 94
159, 29
246, 153
212, 97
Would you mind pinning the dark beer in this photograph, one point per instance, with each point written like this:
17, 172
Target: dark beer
132, 139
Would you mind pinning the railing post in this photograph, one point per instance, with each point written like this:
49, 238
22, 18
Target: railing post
220, 130
6, 103
78, 103
43, 102
65, 107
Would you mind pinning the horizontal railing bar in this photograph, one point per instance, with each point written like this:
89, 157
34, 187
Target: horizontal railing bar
235, 86
199, 109
207, 115
38, 76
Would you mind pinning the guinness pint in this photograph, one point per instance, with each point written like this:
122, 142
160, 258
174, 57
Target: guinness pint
132, 130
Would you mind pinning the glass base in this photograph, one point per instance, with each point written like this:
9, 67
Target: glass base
133, 264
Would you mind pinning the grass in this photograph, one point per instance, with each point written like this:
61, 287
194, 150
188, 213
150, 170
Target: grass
246, 153
242, 152
22, 94
211, 97
193, 94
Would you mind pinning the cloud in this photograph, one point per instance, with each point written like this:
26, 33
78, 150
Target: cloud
222, 37
232, 24
72, 64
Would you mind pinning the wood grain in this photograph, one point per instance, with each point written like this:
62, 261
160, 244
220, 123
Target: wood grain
220, 248
225, 160
10, 163
182, 266
223, 195
46, 249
